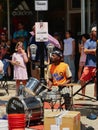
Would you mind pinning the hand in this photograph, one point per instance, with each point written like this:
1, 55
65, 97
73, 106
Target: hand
49, 89
22, 51
17, 62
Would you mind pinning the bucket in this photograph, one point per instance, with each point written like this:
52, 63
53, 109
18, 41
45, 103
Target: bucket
16, 121
33, 84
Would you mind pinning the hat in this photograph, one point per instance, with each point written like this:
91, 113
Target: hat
94, 28
58, 53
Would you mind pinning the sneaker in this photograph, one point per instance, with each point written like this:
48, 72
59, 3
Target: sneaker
92, 116
79, 98
78, 82
93, 100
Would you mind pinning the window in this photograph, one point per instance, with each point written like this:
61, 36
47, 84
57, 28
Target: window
75, 3
56, 4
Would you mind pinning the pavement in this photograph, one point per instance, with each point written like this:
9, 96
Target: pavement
86, 107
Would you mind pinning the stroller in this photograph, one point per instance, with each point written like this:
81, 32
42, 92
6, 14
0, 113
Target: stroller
3, 77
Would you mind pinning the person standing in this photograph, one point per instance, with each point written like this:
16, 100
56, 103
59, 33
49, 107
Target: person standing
89, 70
20, 35
19, 60
58, 37
82, 60
69, 52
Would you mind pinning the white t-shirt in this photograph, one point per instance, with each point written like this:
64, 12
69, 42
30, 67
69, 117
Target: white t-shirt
68, 46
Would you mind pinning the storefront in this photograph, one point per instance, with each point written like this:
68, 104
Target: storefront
77, 15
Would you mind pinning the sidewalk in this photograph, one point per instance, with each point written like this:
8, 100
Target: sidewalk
84, 106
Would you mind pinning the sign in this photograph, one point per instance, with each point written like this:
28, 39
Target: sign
41, 5
22, 9
41, 31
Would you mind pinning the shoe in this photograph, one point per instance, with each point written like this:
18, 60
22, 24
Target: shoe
81, 98
93, 100
78, 82
92, 116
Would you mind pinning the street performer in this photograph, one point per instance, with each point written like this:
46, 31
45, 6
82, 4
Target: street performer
59, 73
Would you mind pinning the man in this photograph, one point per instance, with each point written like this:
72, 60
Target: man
58, 73
90, 66
21, 35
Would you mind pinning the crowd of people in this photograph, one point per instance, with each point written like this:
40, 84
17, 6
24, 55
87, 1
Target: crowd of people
15, 55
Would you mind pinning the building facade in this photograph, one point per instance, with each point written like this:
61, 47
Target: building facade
76, 15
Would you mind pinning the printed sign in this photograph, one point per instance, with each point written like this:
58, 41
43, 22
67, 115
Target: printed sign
41, 5
41, 31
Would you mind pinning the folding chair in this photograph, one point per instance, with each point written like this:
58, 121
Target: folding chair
3, 77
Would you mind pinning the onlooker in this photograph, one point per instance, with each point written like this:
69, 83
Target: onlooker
33, 41
57, 36
69, 52
90, 67
5, 53
20, 35
19, 60
82, 61
35, 71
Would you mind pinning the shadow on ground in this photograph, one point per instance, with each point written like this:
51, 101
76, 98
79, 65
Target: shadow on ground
86, 109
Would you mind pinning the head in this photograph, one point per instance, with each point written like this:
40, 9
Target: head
20, 26
68, 34
56, 35
3, 36
56, 57
84, 37
19, 46
94, 33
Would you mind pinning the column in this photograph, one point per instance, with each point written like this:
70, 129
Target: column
68, 15
88, 15
82, 16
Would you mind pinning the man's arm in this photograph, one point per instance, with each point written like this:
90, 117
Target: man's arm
49, 79
90, 51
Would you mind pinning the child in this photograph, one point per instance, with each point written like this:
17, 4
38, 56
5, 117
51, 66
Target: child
19, 60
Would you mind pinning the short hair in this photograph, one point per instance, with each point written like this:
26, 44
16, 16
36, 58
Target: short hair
85, 35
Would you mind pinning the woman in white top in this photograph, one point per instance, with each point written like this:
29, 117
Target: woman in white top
69, 52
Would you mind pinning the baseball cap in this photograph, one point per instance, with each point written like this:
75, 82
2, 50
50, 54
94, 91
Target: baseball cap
94, 28
58, 53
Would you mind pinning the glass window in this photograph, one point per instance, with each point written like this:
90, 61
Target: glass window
56, 4
76, 3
